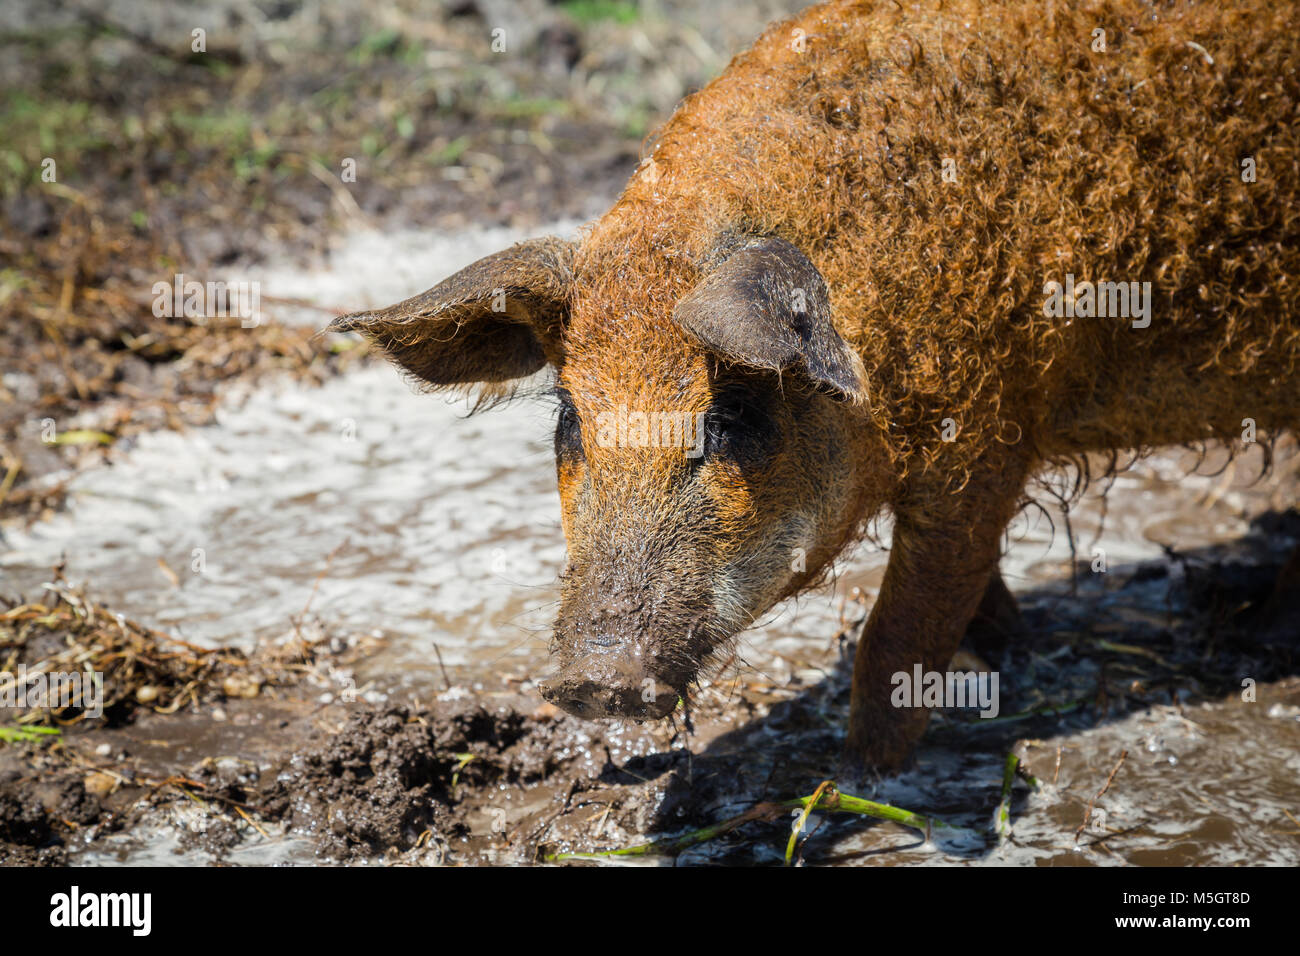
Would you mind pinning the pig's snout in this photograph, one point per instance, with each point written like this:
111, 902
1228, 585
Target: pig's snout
590, 688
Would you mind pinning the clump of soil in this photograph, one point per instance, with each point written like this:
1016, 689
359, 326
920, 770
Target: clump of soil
389, 779
42, 803
395, 780
66, 774
22, 818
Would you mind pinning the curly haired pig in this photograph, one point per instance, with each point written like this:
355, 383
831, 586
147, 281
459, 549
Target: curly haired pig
896, 258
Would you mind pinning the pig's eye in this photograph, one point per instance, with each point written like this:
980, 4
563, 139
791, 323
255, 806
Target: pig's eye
568, 434
739, 427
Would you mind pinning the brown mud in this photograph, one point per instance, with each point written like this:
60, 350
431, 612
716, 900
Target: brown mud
475, 778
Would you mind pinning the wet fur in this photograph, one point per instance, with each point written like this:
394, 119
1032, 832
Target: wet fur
1121, 166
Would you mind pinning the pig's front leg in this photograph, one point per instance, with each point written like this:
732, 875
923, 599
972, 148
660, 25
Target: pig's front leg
945, 551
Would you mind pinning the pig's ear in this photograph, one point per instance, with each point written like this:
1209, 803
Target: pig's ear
496, 320
765, 305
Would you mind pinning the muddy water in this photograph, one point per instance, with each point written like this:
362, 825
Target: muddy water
362, 503
362, 506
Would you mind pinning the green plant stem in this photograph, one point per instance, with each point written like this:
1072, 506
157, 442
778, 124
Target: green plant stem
826, 798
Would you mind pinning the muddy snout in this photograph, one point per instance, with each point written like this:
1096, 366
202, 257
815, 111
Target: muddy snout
607, 685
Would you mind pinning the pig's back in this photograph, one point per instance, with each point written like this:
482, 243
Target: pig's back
1122, 165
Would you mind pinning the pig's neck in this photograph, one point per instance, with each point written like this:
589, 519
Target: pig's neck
874, 486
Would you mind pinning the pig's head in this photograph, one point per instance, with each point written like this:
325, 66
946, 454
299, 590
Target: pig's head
711, 443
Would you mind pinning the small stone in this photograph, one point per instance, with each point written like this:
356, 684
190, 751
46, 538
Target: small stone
99, 784
240, 687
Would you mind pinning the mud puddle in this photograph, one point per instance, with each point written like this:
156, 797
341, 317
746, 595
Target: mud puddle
362, 510
374, 507
1142, 752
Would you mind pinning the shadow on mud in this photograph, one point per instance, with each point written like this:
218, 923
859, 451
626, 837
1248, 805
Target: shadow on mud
1202, 627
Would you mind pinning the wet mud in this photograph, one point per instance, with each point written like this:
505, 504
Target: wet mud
1136, 680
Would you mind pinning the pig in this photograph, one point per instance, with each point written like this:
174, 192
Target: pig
896, 260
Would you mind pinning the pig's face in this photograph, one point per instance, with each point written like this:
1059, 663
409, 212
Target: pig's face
695, 496
709, 446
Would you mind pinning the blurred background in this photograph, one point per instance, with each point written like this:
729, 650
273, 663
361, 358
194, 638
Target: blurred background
133, 148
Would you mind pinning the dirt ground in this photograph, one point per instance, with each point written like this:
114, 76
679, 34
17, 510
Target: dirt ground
270, 756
